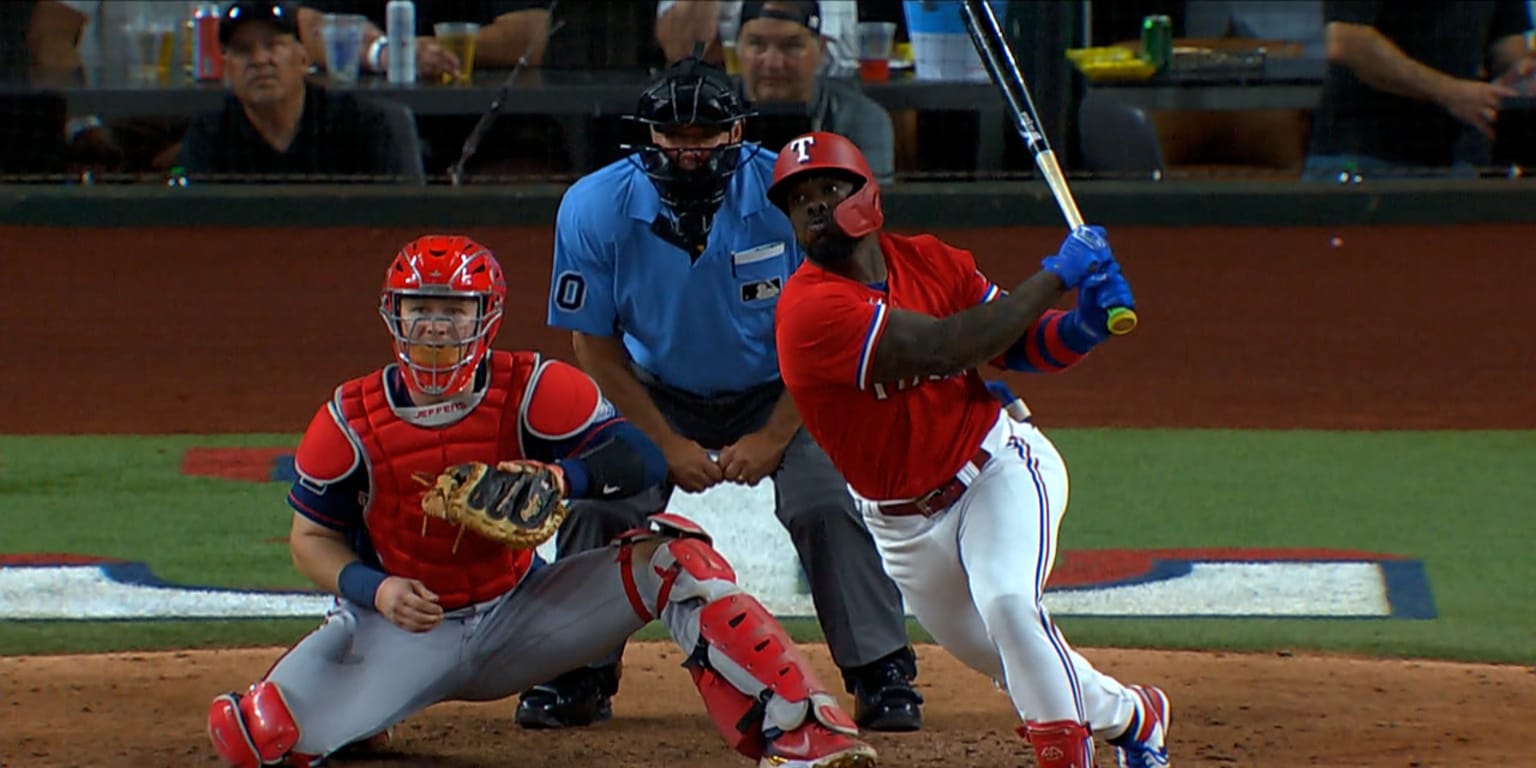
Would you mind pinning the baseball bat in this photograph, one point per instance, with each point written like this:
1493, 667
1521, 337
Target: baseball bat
472, 141
997, 57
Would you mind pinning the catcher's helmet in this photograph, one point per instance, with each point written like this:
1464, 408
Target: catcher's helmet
857, 215
437, 362
691, 92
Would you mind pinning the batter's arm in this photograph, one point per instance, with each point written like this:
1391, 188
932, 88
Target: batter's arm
915, 345
607, 362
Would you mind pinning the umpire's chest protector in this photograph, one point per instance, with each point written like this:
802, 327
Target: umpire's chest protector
460, 566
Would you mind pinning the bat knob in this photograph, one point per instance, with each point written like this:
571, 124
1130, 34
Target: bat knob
1122, 320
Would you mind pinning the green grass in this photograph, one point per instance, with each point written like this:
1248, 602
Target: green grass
1462, 502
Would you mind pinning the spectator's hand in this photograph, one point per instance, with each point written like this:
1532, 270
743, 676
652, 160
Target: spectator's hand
1521, 76
690, 465
96, 151
432, 60
1476, 103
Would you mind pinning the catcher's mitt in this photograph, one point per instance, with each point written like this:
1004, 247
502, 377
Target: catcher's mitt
518, 503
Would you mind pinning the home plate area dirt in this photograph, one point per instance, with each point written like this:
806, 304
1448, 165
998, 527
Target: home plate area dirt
147, 709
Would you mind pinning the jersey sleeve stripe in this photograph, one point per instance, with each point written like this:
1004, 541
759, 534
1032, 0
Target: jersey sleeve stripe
315, 515
991, 293
592, 433
871, 338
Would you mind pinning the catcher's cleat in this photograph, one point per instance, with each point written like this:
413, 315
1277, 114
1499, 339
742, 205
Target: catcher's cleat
814, 745
577, 698
883, 697
1144, 745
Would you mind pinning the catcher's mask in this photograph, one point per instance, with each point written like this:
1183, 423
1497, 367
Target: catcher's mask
692, 93
857, 215
439, 347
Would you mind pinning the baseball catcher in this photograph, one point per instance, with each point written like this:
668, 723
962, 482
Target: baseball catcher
423, 489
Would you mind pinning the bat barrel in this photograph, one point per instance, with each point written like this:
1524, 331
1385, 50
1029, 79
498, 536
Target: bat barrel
987, 36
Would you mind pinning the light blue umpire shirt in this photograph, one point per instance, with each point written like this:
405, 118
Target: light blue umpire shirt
702, 326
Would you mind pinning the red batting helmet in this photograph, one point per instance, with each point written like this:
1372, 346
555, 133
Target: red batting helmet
444, 267
857, 215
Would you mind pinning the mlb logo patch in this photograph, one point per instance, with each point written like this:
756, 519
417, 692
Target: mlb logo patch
758, 290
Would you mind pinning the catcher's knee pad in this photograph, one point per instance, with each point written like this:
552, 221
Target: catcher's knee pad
684, 566
255, 729
754, 678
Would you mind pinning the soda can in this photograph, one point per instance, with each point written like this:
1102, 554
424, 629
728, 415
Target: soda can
207, 57
1157, 41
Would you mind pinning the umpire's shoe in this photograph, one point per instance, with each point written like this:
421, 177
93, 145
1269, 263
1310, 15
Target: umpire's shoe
582, 696
884, 699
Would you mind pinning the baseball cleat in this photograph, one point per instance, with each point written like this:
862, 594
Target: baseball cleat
814, 745
883, 697
577, 698
1144, 743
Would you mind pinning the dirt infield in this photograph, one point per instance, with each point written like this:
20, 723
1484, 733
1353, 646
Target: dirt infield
146, 710
244, 330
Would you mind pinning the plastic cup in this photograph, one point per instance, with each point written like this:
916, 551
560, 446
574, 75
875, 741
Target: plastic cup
343, 36
875, 40
458, 38
150, 49
732, 61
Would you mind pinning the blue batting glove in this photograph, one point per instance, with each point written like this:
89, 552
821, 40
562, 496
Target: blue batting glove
1083, 253
1088, 323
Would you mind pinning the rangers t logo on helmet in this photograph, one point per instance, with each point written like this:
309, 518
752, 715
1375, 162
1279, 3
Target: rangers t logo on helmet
801, 146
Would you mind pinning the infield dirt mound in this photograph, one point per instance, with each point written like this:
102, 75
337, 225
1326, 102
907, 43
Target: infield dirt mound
147, 710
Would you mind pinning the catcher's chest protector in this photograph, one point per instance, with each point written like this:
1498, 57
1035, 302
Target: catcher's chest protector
397, 449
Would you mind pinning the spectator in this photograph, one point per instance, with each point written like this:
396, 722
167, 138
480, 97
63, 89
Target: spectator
1404, 85
43, 43
681, 25
134, 143
1298, 21
781, 50
509, 29
273, 122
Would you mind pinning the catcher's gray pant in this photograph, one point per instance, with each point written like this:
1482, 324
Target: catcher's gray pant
858, 606
358, 674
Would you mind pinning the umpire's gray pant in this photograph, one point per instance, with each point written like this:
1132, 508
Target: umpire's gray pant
858, 606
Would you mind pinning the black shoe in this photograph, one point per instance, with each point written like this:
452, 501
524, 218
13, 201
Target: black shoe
580, 697
884, 699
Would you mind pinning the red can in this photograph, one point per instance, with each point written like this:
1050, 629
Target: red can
207, 57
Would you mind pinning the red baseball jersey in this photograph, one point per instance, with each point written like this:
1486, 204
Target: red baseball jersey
890, 439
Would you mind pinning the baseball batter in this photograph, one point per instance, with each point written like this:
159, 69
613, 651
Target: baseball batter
430, 612
879, 337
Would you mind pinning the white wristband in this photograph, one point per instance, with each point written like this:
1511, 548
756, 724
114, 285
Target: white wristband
371, 60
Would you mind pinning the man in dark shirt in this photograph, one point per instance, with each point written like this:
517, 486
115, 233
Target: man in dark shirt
1405, 82
273, 122
781, 47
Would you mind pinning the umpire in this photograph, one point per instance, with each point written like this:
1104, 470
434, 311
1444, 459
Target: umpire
668, 265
